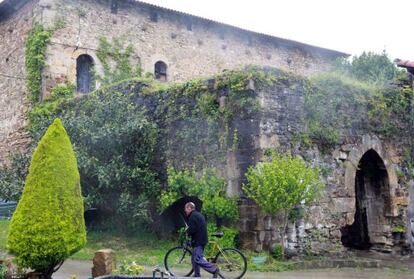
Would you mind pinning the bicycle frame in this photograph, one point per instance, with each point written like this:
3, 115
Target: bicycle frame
215, 247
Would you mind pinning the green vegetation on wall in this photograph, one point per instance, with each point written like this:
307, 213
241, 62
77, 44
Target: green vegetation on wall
48, 225
116, 61
368, 94
115, 143
196, 125
35, 54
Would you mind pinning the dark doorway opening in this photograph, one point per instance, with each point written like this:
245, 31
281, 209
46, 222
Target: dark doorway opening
84, 73
371, 201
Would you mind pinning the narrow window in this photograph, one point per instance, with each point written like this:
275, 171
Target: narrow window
160, 71
114, 6
154, 16
84, 67
189, 25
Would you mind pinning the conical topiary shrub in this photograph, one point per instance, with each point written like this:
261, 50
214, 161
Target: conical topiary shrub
48, 225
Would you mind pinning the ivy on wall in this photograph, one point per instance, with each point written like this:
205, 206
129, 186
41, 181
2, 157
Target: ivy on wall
116, 61
35, 54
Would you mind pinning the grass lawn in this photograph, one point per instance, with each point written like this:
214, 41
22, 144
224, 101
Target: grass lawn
143, 248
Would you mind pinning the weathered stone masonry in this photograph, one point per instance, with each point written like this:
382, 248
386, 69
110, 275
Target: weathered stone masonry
14, 103
191, 47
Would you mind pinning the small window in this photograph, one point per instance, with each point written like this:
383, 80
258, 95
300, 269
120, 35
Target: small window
154, 17
114, 6
189, 25
84, 68
160, 71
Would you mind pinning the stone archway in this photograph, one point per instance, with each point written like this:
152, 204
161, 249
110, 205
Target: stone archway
370, 180
372, 202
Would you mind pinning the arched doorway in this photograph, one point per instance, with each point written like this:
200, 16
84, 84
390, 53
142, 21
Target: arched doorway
372, 202
84, 73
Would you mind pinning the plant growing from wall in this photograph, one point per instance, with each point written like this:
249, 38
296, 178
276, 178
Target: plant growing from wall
35, 54
279, 185
116, 61
48, 226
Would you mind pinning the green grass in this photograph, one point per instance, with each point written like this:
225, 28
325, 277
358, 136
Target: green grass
143, 248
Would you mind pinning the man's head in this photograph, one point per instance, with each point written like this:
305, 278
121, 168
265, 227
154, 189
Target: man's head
189, 207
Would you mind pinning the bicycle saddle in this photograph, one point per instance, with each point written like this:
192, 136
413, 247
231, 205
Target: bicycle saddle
218, 234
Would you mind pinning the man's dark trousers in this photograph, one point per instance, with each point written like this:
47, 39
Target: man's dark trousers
198, 261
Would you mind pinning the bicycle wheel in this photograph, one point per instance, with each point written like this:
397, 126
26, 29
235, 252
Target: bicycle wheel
177, 261
232, 263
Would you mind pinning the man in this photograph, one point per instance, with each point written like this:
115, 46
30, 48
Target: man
197, 230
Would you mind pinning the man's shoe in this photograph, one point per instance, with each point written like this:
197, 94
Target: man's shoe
216, 273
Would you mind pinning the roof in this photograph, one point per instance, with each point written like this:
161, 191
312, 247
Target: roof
409, 65
10, 6
404, 63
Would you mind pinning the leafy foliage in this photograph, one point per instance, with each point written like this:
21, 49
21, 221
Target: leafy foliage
209, 187
282, 183
129, 268
279, 185
35, 53
12, 177
228, 240
370, 67
115, 144
116, 61
64, 91
48, 225
336, 104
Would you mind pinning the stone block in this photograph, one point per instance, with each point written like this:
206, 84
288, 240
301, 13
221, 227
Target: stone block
103, 263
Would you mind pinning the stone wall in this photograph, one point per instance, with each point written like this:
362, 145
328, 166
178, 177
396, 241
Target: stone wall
331, 224
190, 46
13, 98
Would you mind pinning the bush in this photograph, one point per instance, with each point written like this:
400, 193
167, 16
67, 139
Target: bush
115, 143
48, 225
129, 268
209, 187
228, 240
278, 252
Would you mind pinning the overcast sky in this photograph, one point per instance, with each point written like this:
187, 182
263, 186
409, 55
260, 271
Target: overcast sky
350, 26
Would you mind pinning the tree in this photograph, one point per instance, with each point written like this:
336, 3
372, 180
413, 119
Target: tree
370, 67
281, 184
48, 225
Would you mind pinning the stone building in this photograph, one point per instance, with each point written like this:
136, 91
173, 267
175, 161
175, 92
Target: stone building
174, 47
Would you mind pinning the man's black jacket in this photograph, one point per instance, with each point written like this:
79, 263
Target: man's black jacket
197, 229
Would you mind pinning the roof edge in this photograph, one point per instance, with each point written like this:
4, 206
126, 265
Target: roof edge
8, 7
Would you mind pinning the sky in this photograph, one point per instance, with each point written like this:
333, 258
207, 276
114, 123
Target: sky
350, 26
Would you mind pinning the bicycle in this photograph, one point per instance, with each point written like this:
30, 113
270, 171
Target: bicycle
231, 261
